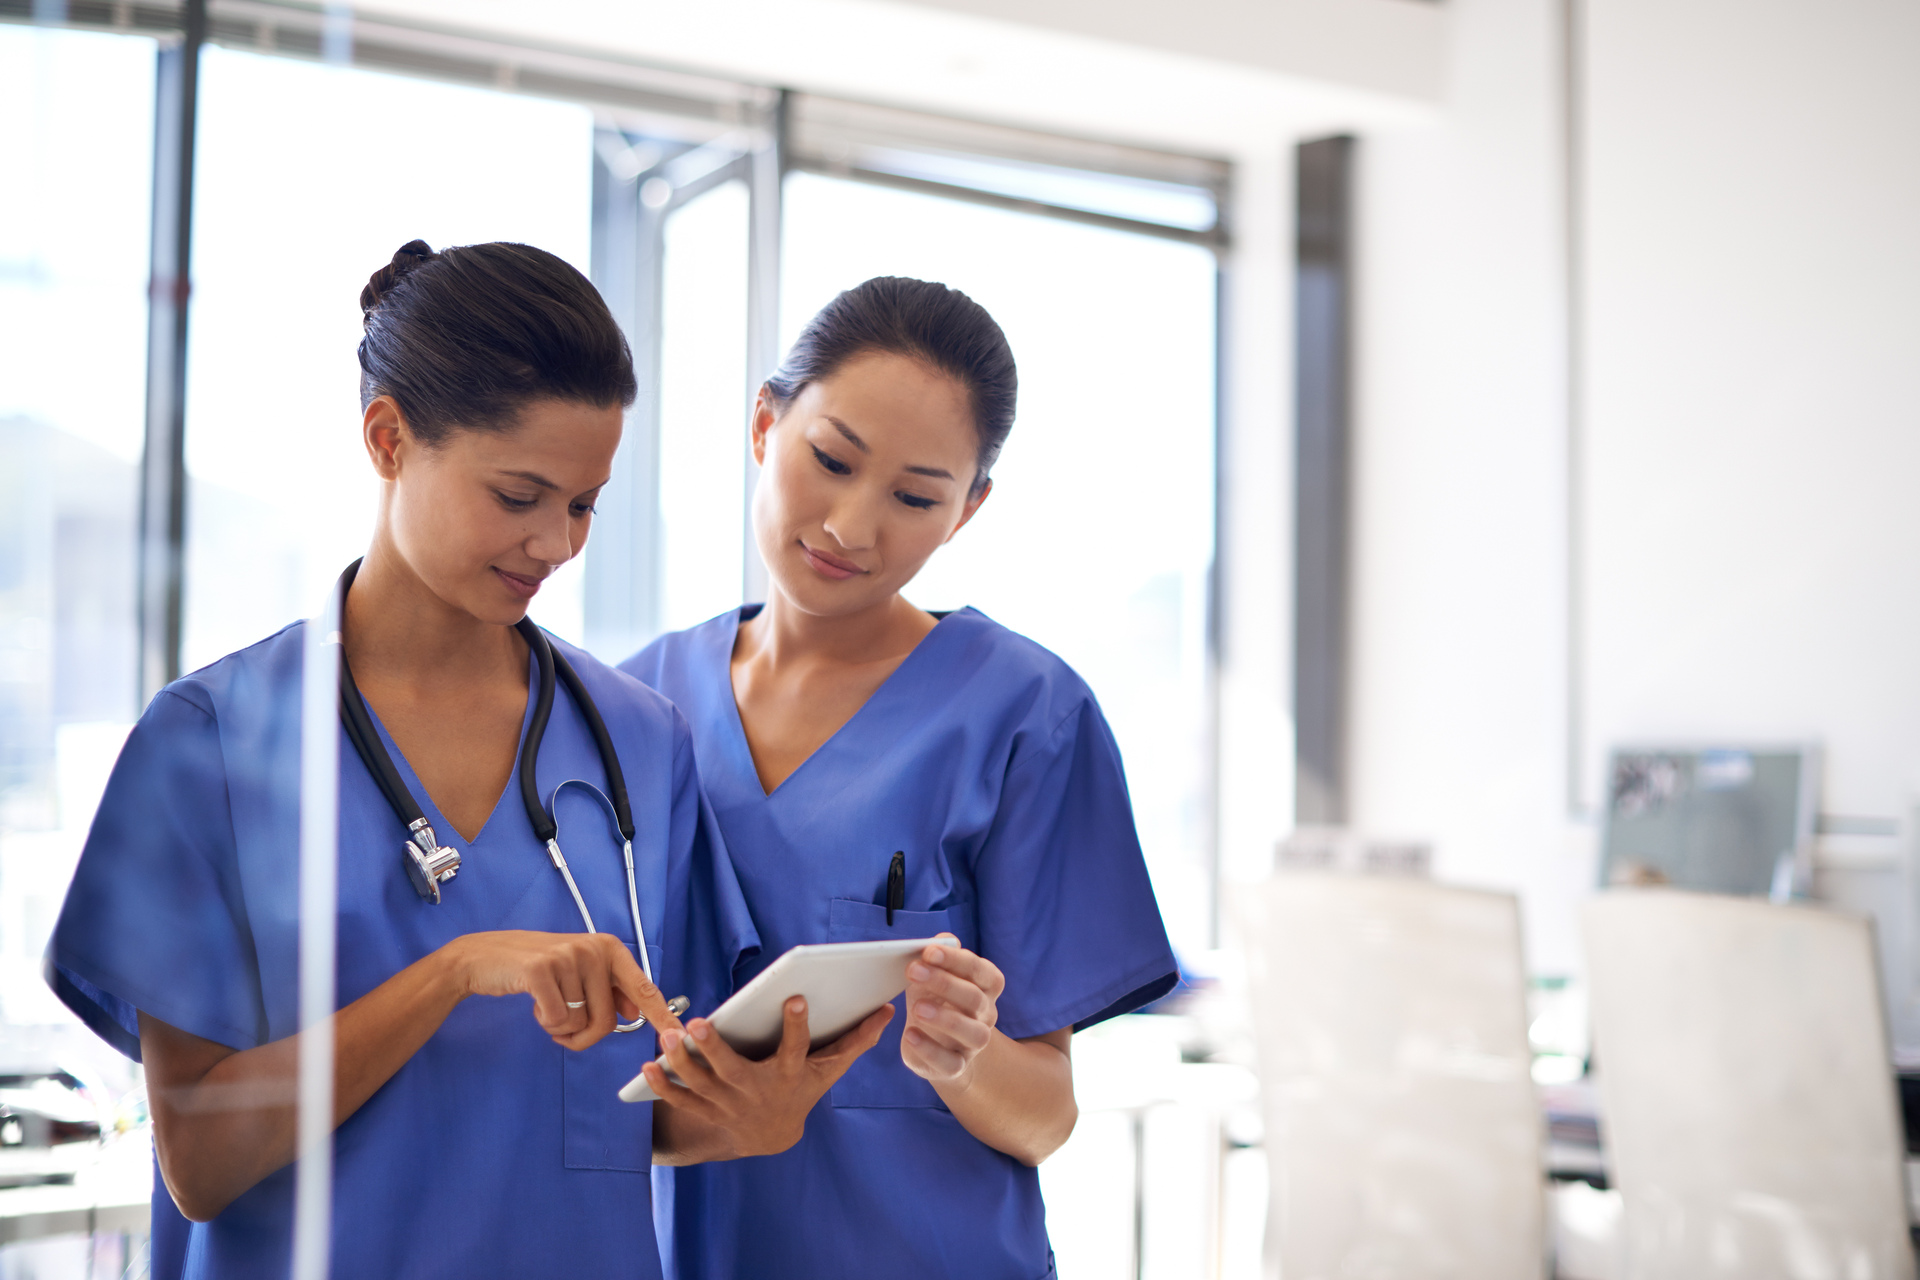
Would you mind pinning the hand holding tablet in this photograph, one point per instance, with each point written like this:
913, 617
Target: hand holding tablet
843, 983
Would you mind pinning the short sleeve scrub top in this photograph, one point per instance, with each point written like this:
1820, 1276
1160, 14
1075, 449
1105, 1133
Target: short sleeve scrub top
493, 1151
985, 760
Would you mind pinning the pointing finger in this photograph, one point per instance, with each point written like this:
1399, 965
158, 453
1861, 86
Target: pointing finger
634, 984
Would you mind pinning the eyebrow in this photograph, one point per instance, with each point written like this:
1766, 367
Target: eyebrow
533, 477
847, 431
937, 473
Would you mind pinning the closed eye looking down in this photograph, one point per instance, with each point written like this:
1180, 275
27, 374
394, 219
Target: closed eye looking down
836, 467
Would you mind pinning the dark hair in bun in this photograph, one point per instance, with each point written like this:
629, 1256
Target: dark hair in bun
926, 321
465, 338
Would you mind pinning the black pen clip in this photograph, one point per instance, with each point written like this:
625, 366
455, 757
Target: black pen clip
896, 885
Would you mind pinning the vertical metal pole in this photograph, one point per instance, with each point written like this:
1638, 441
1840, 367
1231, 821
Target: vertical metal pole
767, 175
319, 894
1573, 143
1137, 1129
1323, 286
163, 467
1216, 603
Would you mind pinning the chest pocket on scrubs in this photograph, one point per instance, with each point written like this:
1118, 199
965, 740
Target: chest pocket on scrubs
878, 1078
602, 1132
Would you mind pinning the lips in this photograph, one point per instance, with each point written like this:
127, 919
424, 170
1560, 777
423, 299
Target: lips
830, 566
519, 584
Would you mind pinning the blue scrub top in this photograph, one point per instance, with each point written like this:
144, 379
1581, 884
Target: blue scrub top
493, 1151
986, 760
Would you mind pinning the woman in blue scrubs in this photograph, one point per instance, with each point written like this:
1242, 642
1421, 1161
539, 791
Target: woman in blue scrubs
880, 772
478, 1135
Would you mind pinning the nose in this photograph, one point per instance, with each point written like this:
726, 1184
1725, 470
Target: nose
553, 539
853, 523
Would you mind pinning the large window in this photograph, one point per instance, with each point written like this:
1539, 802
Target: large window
703, 406
76, 137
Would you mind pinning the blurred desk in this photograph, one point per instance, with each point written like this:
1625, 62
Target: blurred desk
34, 1213
1152, 1185
110, 1195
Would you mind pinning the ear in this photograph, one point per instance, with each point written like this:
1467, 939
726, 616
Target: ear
383, 431
966, 512
764, 416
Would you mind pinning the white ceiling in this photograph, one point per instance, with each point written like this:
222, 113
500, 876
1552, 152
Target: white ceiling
1115, 69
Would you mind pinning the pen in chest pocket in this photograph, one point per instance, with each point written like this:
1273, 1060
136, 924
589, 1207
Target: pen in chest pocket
896, 885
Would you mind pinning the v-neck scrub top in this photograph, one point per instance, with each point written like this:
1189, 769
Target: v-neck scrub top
493, 1151
984, 759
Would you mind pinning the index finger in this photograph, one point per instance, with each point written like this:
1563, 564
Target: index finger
630, 981
971, 966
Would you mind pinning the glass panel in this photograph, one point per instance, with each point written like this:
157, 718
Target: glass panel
310, 176
1098, 538
703, 406
76, 132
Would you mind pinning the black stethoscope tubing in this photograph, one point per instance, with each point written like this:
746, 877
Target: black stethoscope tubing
430, 864
366, 739
552, 664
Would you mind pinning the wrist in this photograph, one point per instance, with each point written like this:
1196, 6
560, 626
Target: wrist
452, 973
956, 1086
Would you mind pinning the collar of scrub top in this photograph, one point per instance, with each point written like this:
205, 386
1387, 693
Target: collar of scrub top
430, 864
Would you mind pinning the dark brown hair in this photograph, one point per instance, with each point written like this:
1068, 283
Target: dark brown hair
916, 318
465, 338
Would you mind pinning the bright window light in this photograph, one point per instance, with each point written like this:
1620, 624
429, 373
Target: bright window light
703, 407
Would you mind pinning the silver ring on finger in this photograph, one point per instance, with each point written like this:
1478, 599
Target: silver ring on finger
576, 1004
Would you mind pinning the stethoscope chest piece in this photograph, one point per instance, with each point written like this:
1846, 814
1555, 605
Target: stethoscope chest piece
429, 864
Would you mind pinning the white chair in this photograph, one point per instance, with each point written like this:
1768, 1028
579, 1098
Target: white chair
1750, 1115
1402, 1131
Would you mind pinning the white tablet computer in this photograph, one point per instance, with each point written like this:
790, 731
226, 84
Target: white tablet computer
842, 981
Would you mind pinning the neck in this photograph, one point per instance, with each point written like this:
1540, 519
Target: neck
396, 630
783, 633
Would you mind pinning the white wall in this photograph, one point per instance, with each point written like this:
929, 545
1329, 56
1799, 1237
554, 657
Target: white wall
1751, 565
1459, 560
1755, 409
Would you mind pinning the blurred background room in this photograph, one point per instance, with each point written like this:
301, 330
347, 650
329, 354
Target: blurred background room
1469, 447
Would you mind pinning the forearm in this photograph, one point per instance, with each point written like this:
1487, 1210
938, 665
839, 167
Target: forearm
1017, 1096
221, 1129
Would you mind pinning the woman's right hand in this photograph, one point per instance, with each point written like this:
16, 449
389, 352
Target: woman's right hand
593, 971
739, 1107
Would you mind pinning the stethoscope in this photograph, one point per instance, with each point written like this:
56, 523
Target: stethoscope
429, 863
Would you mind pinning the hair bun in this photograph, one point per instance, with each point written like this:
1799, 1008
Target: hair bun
407, 259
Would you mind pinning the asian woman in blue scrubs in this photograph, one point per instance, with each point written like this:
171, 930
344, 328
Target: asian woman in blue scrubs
478, 1134
880, 772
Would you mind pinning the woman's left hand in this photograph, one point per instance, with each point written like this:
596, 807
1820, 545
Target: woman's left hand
951, 1012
